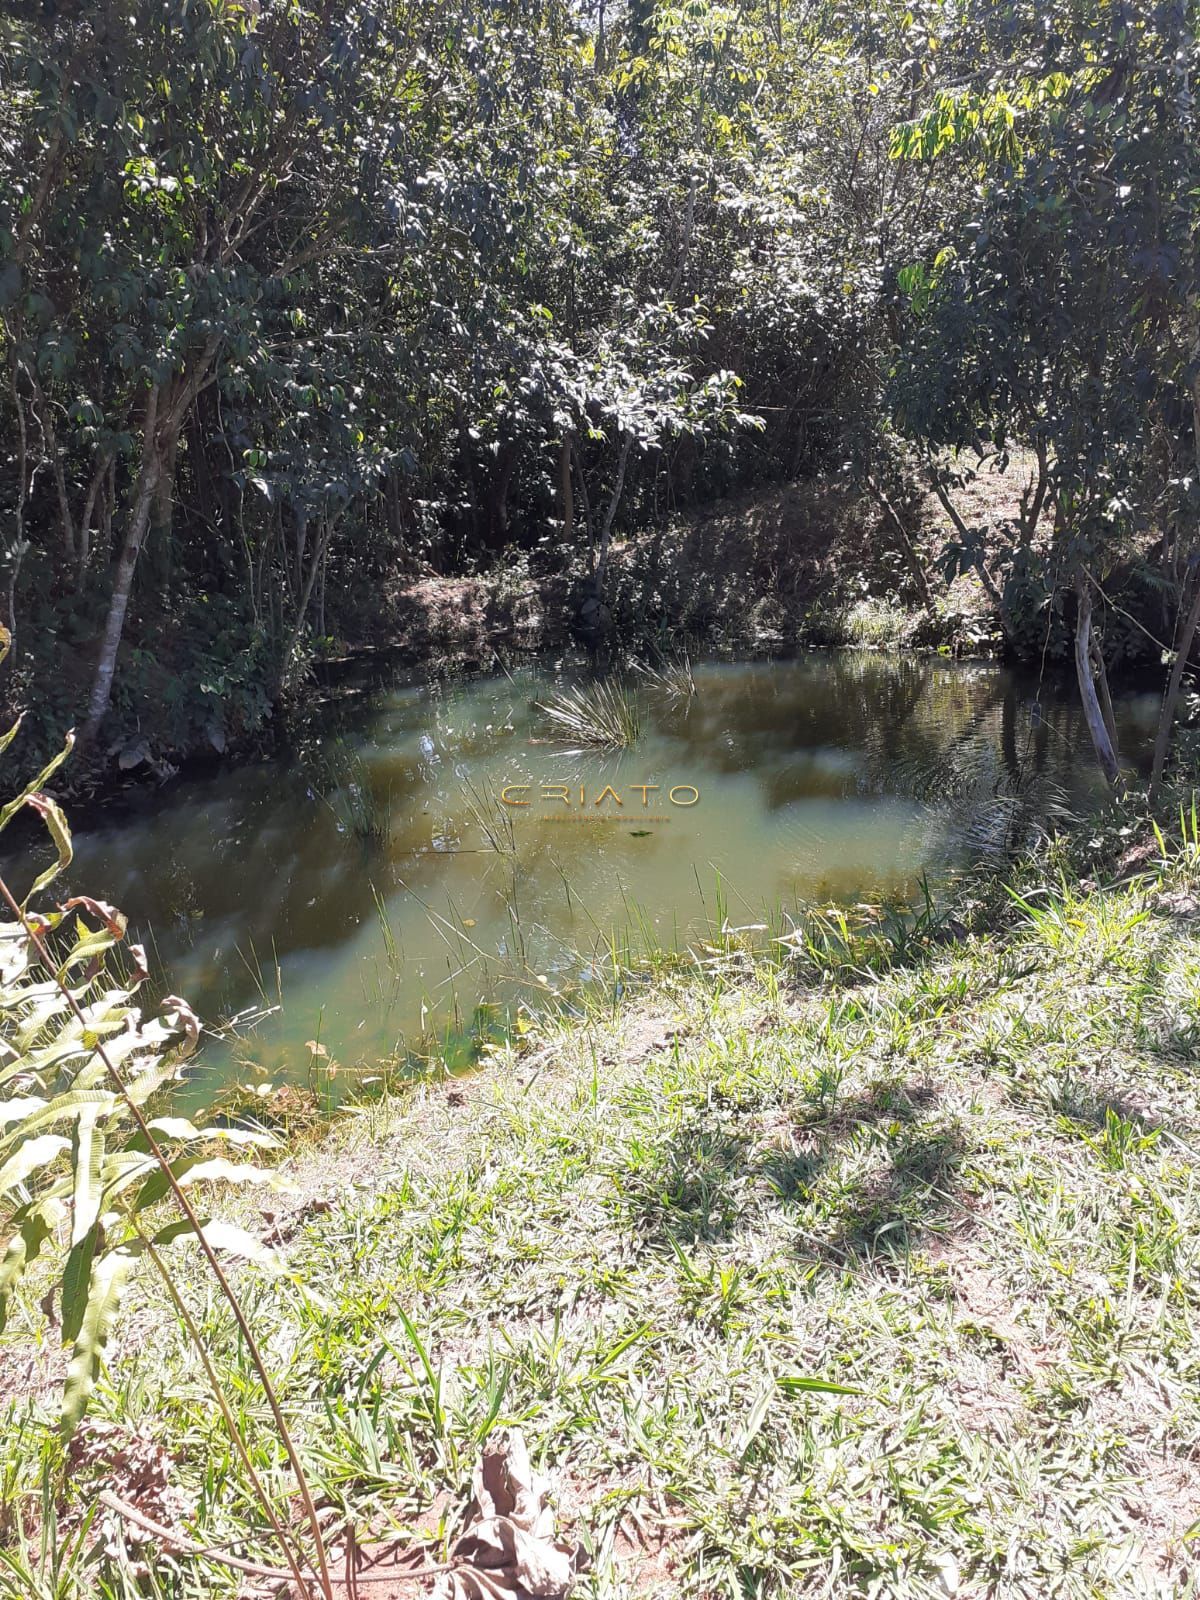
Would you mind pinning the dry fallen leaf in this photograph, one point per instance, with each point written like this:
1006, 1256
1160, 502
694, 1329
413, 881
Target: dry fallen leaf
508, 1550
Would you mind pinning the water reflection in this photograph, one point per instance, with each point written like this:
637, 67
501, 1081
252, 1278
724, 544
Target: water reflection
374, 886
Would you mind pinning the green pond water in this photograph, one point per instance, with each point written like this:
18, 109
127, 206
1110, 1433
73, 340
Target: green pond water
373, 891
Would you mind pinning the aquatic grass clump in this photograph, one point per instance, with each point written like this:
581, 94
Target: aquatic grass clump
492, 818
671, 677
605, 714
341, 781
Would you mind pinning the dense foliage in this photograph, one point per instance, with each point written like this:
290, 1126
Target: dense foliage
299, 300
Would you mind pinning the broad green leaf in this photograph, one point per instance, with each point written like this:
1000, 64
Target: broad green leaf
18, 1110
8, 812
181, 1128
76, 1276
22, 1248
51, 814
71, 1104
223, 1236
7, 738
87, 1153
192, 1169
105, 1288
147, 1082
29, 1158
91, 942
123, 1169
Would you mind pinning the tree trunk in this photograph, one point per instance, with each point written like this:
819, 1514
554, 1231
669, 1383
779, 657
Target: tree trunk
468, 467
166, 411
293, 638
50, 436
301, 541
568, 495
498, 498
110, 506
16, 550
1100, 674
139, 521
584, 502
907, 548
964, 534
609, 517
1162, 738
1031, 504
1093, 715
85, 522
391, 500
1166, 719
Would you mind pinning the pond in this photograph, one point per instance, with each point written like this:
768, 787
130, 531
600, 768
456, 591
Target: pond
445, 853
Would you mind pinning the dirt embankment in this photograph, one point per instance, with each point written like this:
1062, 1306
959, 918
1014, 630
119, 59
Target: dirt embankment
799, 565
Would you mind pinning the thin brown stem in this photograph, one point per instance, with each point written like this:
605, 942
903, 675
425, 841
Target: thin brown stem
239, 1563
214, 1382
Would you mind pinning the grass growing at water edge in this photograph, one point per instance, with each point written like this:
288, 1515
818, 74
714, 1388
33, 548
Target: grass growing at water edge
341, 781
672, 677
964, 1186
605, 714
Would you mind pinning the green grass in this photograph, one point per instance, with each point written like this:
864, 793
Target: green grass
964, 1185
671, 676
605, 714
341, 780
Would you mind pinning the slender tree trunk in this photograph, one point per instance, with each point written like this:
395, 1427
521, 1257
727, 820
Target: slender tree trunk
568, 494
964, 533
297, 627
85, 521
1166, 719
685, 247
164, 496
391, 500
498, 498
609, 517
110, 505
907, 548
45, 416
166, 411
1093, 715
301, 541
1031, 508
468, 466
139, 522
583, 499
16, 550
1100, 673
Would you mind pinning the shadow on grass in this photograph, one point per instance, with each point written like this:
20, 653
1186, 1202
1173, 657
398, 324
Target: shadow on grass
868, 1179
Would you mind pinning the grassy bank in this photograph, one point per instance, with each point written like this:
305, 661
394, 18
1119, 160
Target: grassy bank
959, 1178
